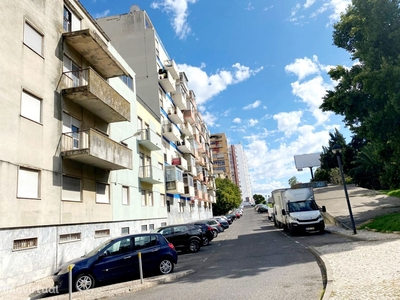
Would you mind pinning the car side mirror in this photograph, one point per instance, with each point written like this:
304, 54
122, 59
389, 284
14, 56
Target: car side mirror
323, 209
283, 212
101, 256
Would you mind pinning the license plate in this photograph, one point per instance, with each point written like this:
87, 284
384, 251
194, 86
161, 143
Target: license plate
309, 228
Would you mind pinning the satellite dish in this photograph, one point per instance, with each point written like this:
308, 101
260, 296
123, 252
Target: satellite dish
135, 8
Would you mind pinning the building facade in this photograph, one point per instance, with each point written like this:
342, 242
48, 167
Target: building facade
220, 150
240, 172
189, 185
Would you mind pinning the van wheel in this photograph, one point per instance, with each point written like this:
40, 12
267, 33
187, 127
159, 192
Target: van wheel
84, 282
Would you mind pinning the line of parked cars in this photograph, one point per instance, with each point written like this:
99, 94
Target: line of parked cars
118, 258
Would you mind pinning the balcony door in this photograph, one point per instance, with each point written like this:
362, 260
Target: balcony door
71, 128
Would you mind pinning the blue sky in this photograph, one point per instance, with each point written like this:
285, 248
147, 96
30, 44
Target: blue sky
259, 71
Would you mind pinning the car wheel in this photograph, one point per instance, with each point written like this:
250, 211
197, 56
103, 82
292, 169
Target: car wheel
215, 233
206, 241
84, 282
166, 266
194, 246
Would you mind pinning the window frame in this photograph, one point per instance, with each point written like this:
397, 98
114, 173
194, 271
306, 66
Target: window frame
21, 189
30, 43
27, 106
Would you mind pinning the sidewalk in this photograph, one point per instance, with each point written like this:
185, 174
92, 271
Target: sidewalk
365, 268
368, 267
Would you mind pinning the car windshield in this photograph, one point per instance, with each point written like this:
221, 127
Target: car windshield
306, 205
98, 248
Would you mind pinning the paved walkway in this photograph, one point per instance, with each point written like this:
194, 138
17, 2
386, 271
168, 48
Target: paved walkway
369, 267
366, 269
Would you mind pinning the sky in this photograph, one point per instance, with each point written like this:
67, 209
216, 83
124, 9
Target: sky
259, 71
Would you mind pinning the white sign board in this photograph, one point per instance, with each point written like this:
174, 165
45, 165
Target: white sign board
307, 160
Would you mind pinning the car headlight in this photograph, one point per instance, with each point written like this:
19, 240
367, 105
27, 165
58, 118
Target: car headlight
65, 269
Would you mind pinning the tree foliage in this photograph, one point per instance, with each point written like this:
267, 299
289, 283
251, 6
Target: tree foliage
228, 196
258, 199
293, 181
368, 94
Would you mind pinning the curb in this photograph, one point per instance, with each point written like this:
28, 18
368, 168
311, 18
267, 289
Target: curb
105, 292
326, 270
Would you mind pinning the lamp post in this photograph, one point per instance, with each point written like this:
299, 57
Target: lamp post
336, 149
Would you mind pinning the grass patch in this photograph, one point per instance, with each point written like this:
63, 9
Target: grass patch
387, 223
392, 193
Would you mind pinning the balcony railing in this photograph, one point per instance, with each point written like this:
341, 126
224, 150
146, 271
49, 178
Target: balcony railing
189, 191
175, 115
181, 162
95, 51
171, 66
91, 91
186, 128
166, 80
149, 139
151, 174
175, 187
96, 149
179, 97
171, 132
184, 146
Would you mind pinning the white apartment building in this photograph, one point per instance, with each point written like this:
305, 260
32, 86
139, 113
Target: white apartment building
190, 186
81, 157
240, 172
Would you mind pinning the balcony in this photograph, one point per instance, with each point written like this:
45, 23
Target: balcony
151, 174
149, 139
198, 194
184, 146
95, 149
175, 115
180, 162
179, 97
201, 147
166, 80
172, 68
91, 91
175, 187
199, 176
200, 160
192, 170
171, 132
189, 116
95, 51
189, 191
186, 129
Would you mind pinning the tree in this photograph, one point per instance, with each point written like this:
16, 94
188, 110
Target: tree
368, 94
258, 199
293, 181
228, 196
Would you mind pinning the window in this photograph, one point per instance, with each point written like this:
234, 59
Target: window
31, 107
102, 233
33, 39
182, 206
102, 193
144, 228
150, 199
163, 223
147, 198
162, 197
125, 195
72, 71
128, 80
119, 247
28, 183
151, 227
70, 237
25, 244
71, 188
143, 198
142, 242
71, 127
71, 21
124, 230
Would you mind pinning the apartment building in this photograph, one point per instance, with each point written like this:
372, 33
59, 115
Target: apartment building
220, 150
240, 172
81, 157
189, 184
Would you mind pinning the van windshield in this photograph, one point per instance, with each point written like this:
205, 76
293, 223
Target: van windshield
306, 205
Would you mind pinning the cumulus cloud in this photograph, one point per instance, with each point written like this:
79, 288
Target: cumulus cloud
252, 122
288, 122
252, 105
303, 67
237, 120
209, 118
179, 11
207, 86
309, 3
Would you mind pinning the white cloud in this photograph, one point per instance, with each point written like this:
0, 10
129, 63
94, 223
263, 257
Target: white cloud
237, 120
252, 105
102, 15
207, 86
337, 6
209, 118
309, 3
288, 122
249, 7
179, 11
252, 122
303, 67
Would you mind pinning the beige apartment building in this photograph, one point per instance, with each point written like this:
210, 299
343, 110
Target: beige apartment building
81, 158
189, 182
220, 150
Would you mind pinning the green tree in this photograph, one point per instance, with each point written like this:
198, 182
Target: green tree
228, 196
258, 199
293, 181
368, 94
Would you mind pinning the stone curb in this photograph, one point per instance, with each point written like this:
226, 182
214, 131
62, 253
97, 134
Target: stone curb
326, 270
112, 290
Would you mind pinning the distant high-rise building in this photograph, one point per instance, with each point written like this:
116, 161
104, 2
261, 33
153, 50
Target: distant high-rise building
240, 172
220, 150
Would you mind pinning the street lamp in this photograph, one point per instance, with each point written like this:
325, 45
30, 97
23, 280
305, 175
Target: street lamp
336, 149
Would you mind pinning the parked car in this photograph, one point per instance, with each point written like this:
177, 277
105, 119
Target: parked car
184, 237
232, 217
118, 259
224, 223
262, 209
217, 228
207, 230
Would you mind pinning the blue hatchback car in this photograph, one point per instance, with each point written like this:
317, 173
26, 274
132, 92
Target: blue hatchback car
118, 259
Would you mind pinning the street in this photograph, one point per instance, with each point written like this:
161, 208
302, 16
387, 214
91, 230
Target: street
250, 260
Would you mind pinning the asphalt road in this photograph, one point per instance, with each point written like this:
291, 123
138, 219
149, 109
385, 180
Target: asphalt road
250, 260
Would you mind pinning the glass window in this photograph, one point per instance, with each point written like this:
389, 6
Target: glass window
33, 39
28, 183
71, 22
31, 107
102, 193
71, 189
125, 195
